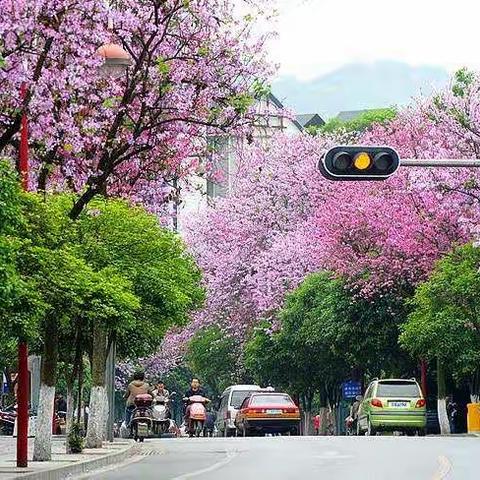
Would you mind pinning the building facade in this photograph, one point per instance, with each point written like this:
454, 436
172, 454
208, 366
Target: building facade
271, 119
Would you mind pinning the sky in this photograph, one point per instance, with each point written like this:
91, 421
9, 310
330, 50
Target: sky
316, 37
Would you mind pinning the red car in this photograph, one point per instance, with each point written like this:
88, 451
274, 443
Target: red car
265, 412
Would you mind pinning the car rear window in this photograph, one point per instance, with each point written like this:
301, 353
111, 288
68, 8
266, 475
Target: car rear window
271, 400
238, 396
397, 389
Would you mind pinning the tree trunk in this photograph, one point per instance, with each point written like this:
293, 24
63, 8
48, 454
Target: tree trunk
307, 400
80, 393
42, 450
77, 359
70, 419
98, 408
475, 387
106, 414
323, 413
441, 402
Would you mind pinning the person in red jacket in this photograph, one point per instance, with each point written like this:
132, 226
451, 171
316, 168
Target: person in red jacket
316, 424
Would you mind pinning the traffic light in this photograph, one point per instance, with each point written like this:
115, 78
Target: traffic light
357, 163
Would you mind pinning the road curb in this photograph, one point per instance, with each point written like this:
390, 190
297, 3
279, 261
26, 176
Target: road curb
82, 467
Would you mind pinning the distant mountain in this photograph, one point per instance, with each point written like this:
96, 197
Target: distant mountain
358, 86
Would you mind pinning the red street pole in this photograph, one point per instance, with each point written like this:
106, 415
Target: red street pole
23, 392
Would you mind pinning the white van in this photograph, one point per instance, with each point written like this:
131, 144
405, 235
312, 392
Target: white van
230, 402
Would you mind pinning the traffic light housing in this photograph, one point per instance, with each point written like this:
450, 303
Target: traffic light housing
357, 163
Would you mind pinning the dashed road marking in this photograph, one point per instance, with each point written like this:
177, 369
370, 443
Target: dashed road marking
230, 456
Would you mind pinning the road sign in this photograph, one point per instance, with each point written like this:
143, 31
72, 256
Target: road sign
4, 385
351, 389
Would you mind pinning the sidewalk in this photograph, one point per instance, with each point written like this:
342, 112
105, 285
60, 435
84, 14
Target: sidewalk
62, 465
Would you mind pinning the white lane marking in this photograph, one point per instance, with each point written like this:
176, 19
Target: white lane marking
444, 468
230, 456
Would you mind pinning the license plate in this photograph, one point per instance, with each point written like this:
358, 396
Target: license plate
274, 412
398, 404
142, 429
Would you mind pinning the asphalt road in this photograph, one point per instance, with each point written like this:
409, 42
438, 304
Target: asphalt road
301, 458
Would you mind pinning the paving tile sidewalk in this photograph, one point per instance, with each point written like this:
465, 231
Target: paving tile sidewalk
62, 465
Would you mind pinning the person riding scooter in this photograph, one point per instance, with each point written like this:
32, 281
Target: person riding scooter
136, 387
195, 395
195, 389
162, 396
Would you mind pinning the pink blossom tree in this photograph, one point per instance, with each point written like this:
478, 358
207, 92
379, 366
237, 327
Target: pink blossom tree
283, 221
195, 70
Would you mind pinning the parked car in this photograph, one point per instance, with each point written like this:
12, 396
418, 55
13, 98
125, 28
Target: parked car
230, 402
392, 405
268, 412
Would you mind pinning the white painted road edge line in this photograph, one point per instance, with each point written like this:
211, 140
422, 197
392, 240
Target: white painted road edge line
230, 456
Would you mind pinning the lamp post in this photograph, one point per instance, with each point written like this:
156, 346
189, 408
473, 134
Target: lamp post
116, 63
23, 376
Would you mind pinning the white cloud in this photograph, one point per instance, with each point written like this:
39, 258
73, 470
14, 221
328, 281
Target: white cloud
317, 36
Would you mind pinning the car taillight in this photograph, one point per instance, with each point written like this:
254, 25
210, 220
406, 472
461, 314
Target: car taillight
376, 403
254, 410
291, 410
228, 415
421, 403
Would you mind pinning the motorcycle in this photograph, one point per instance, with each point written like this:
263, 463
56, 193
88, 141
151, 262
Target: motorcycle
162, 424
141, 423
196, 414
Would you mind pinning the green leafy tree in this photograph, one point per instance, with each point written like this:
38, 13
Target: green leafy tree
325, 337
445, 320
212, 356
113, 234
20, 306
137, 281
126, 239
363, 122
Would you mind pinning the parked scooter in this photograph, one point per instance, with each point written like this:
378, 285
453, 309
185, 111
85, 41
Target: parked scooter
7, 420
196, 414
141, 424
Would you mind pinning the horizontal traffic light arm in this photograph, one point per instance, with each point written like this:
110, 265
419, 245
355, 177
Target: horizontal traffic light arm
444, 162
367, 162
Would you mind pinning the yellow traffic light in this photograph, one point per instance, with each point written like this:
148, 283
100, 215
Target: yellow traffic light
362, 161
359, 162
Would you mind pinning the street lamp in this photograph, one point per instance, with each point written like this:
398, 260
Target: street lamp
116, 63
116, 59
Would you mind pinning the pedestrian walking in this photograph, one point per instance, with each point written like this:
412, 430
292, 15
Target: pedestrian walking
316, 424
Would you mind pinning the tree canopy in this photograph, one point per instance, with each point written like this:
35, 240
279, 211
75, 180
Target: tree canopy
445, 322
